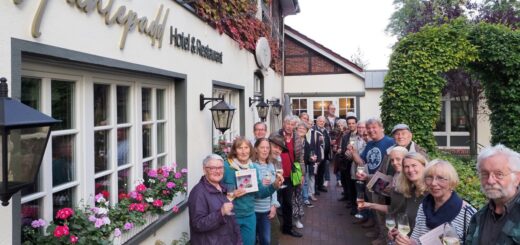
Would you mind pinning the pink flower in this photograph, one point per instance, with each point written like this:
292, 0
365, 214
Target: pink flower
157, 203
178, 175
64, 213
117, 232
152, 173
61, 230
92, 218
128, 226
140, 188
99, 223
73, 239
100, 198
165, 192
170, 185
38, 223
175, 209
184, 171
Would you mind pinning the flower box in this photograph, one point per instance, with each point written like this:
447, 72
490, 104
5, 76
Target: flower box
127, 235
178, 198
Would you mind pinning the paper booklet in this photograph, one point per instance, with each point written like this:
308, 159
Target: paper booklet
247, 179
433, 237
379, 182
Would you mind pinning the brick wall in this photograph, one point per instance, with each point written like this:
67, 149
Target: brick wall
302, 60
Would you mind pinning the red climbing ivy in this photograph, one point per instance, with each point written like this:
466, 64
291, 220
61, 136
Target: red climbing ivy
237, 18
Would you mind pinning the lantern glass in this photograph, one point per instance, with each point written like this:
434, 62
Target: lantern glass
222, 119
262, 109
25, 149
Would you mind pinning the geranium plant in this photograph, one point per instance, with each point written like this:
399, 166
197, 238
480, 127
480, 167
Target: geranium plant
101, 223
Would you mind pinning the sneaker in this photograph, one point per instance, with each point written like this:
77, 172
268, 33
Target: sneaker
308, 204
298, 224
326, 183
338, 183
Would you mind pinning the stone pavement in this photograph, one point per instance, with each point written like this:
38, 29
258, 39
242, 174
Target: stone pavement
328, 223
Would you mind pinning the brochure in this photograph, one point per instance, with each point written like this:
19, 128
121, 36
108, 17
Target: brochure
247, 179
433, 237
379, 182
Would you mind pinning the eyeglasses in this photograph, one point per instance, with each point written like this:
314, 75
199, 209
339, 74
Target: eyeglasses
215, 169
498, 175
440, 179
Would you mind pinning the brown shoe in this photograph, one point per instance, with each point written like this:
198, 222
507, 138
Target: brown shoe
371, 234
368, 224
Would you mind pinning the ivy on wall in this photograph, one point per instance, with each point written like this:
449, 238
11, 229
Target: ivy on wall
237, 18
413, 85
499, 69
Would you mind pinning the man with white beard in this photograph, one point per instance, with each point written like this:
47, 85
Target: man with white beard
499, 221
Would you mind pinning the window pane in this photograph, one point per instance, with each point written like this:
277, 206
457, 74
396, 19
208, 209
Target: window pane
102, 185
160, 137
63, 104
31, 90
458, 116
123, 146
441, 140
147, 141
459, 140
31, 211
123, 181
63, 160
101, 100
146, 167
317, 107
62, 199
161, 161
101, 150
440, 126
160, 104
123, 105
303, 104
146, 104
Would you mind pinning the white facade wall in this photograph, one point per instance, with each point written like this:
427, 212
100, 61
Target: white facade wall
68, 27
370, 107
336, 83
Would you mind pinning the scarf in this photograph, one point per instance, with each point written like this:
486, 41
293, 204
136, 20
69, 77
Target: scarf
237, 165
446, 213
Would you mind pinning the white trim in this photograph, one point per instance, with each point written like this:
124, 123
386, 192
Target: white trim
326, 54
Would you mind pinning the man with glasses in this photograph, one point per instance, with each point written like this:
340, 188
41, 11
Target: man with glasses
499, 221
259, 132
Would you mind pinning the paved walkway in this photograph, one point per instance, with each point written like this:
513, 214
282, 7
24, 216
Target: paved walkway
328, 223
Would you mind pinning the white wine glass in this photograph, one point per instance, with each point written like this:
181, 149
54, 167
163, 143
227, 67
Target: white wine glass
360, 200
403, 225
390, 224
449, 236
230, 194
279, 171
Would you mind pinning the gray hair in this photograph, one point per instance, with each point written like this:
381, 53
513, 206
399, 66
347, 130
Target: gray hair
361, 123
512, 156
301, 123
295, 119
342, 123
399, 149
211, 157
320, 117
288, 118
374, 121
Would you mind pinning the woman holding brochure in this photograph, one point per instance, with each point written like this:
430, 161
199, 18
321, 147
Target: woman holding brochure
239, 163
409, 189
441, 206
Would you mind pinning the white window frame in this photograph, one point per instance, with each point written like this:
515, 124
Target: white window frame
84, 129
232, 97
447, 99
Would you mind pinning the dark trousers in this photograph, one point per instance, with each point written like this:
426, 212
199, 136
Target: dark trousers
344, 177
320, 174
285, 198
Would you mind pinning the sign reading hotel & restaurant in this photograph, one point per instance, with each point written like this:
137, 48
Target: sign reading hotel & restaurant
193, 45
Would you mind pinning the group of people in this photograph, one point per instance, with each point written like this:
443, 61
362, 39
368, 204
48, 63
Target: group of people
224, 208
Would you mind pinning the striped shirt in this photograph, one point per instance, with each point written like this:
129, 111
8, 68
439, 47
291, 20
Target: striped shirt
421, 228
263, 205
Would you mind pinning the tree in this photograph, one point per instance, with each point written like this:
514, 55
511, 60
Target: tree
358, 58
505, 12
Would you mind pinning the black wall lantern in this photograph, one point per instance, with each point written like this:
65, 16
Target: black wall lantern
24, 134
222, 113
276, 107
262, 108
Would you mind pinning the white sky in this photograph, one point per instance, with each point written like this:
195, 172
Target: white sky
343, 26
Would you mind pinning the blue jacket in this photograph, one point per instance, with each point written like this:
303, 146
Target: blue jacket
207, 225
245, 205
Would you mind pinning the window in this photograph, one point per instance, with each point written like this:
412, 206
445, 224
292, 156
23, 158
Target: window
346, 105
452, 129
299, 106
120, 130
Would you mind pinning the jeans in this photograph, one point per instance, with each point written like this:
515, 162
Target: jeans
306, 184
263, 228
327, 170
